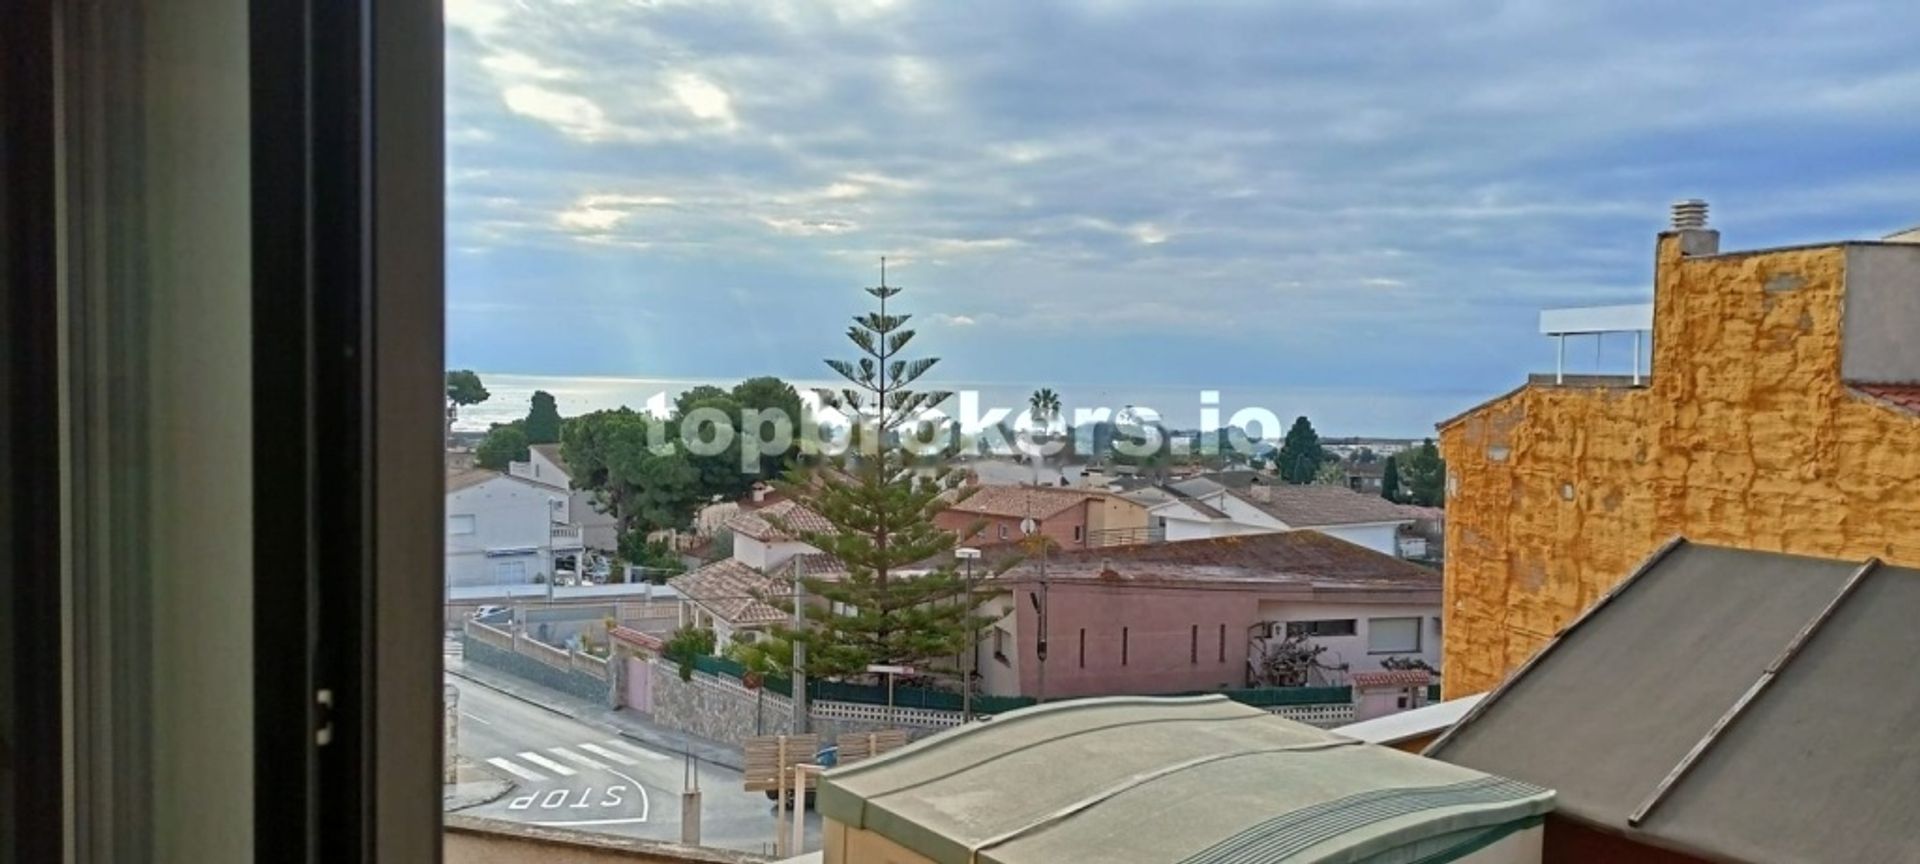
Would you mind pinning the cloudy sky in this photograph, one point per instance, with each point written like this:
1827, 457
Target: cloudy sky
1361, 196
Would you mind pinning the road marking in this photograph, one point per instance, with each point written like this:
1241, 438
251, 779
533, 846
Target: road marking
605, 753
571, 756
476, 718
517, 771
635, 748
548, 764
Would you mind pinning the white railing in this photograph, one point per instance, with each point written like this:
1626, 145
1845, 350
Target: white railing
566, 538
862, 712
1323, 716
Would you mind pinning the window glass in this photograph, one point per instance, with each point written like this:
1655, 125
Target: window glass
1328, 627
1393, 635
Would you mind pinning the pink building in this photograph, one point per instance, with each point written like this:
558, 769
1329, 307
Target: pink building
1063, 515
1199, 615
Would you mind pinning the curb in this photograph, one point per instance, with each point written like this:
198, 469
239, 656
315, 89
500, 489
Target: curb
649, 738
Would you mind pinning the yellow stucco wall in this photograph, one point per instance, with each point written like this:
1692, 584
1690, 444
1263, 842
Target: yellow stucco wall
1746, 437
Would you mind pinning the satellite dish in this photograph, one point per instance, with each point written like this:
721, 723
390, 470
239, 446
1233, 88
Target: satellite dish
1027, 525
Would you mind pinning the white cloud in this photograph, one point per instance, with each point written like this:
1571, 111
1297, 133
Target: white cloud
953, 320
575, 116
703, 99
599, 214
810, 227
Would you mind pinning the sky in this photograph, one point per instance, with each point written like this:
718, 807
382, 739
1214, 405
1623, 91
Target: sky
1356, 207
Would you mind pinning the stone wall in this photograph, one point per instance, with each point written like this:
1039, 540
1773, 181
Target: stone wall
1746, 436
716, 710
566, 680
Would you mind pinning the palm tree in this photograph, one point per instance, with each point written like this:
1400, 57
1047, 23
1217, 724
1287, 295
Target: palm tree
1045, 408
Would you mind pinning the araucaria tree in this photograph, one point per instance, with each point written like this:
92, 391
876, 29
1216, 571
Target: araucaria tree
881, 514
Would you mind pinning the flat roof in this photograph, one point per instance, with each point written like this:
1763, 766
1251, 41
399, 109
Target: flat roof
1200, 779
1414, 723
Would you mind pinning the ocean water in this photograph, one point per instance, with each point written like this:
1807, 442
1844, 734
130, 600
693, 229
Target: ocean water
1334, 412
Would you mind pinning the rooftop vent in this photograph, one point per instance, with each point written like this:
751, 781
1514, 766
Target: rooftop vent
1690, 214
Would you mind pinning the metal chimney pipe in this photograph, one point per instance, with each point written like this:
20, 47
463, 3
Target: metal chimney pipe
1690, 214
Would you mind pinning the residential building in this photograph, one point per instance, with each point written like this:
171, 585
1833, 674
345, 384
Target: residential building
505, 530
731, 596
1198, 779
1201, 614
1722, 705
1201, 507
599, 531
1781, 413
1064, 516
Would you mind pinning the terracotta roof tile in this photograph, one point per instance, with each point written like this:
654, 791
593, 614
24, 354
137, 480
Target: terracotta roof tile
1036, 501
731, 590
1393, 678
1316, 505
790, 517
1303, 558
1906, 397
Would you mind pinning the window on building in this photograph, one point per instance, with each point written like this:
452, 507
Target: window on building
1123, 646
1083, 647
1000, 645
1324, 627
461, 523
1193, 645
1003, 530
509, 572
1393, 635
1223, 643
1077, 532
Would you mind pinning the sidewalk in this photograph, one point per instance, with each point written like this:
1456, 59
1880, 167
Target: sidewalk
627, 724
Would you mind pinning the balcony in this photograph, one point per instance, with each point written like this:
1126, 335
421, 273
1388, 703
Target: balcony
567, 537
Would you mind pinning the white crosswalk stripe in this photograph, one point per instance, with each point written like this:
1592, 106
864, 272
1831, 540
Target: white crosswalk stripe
571, 756
636, 749
605, 753
508, 766
548, 764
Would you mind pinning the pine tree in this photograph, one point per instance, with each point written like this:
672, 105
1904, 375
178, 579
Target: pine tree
1300, 454
882, 518
1390, 480
543, 419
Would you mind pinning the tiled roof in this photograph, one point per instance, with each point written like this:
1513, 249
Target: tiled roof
777, 522
1393, 678
1307, 559
458, 480
1906, 397
732, 590
819, 564
1020, 501
1317, 505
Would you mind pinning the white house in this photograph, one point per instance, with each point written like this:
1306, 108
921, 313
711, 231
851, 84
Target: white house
1200, 508
599, 531
505, 530
729, 596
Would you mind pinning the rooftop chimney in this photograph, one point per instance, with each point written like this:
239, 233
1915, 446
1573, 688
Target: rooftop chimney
1689, 214
1690, 223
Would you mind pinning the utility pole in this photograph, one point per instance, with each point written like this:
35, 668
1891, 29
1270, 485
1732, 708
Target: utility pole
801, 722
967, 554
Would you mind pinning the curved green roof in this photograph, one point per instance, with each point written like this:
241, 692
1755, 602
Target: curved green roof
1201, 780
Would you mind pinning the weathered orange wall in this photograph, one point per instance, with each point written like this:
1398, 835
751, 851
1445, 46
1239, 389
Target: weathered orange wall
1746, 437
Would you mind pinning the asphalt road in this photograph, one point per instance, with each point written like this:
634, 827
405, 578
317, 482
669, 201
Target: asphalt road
572, 775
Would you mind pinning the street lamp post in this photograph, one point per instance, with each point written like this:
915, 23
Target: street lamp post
968, 554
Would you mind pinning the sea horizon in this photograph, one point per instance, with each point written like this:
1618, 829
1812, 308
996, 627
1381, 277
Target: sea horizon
1335, 412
